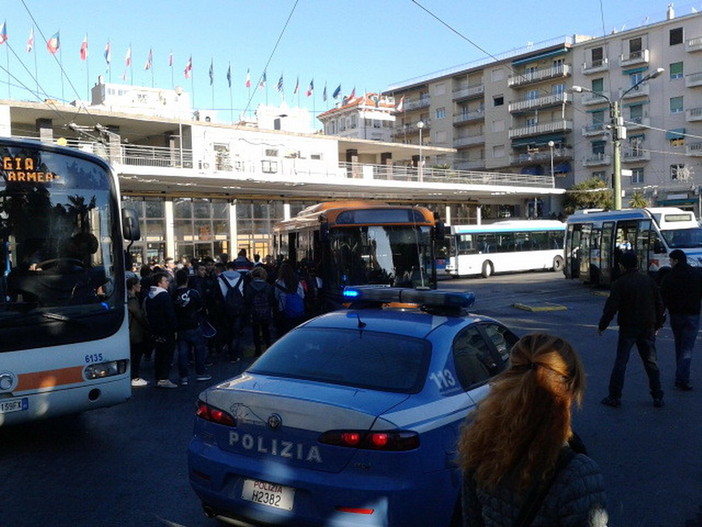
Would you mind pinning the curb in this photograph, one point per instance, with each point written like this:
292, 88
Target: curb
546, 307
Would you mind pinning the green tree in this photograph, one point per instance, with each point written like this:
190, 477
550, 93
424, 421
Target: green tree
638, 201
592, 193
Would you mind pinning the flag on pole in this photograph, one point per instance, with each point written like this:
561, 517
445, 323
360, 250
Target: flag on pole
188, 68
229, 75
108, 53
53, 44
401, 105
310, 90
279, 86
30, 40
248, 78
3, 33
170, 59
262, 84
84, 48
353, 93
336, 92
149, 60
297, 86
128, 56
211, 72
324, 92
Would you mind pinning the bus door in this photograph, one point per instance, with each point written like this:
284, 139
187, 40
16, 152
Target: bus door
572, 251
644, 251
606, 252
584, 252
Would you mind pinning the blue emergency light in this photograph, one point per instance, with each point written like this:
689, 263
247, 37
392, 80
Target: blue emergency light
386, 295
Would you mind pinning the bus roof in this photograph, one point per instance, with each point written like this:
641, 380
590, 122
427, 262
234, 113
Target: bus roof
510, 226
665, 217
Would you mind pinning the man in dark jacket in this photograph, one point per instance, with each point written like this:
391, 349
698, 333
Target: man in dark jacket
635, 299
162, 322
681, 290
189, 309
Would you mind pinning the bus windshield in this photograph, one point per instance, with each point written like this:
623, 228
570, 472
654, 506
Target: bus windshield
398, 255
683, 238
58, 224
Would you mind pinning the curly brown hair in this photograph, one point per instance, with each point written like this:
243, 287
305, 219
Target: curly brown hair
516, 433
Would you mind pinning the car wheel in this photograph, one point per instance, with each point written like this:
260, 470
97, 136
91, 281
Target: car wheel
488, 269
558, 264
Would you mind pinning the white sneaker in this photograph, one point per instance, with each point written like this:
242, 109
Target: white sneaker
165, 383
184, 381
138, 381
201, 378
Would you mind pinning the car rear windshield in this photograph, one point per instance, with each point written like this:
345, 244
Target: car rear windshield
363, 359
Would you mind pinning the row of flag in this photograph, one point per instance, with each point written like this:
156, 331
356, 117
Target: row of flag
53, 45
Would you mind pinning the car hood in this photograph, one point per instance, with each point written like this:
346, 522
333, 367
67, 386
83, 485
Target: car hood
280, 419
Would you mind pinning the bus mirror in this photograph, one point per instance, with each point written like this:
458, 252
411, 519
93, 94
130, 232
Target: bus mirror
130, 225
324, 231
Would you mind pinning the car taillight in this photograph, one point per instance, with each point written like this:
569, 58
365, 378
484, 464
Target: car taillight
210, 413
394, 440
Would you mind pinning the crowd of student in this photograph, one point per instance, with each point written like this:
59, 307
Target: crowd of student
202, 311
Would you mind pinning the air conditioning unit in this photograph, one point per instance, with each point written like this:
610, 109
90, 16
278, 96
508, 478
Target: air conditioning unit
207, 116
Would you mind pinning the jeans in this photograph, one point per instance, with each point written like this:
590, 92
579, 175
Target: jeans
260, 328
645, 340
234, 325
163, 357
685, 328
191, 339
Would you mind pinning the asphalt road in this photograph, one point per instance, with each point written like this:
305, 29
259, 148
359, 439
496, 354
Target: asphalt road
126, 465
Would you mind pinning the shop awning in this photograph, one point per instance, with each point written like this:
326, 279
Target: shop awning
539, 56
562, 168
539, 140
677, 133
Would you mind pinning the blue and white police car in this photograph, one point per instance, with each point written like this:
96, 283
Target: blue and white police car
352, 418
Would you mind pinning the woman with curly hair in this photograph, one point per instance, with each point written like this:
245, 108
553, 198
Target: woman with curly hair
522, 466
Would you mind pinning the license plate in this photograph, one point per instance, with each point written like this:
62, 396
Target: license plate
14, 405
270, 494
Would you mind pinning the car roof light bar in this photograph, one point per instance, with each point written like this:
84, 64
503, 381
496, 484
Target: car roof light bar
434, 298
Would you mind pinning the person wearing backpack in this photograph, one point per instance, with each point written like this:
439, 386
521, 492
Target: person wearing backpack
231, 287
259, 299
189, 309
289, 299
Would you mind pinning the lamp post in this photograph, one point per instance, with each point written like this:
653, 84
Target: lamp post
618, 132
420, 172
551, 144
179, 92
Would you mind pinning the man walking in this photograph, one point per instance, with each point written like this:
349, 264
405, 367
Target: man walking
635, 299
681, 290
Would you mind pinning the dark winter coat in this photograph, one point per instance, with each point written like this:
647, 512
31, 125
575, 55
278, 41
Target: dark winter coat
188, 308
681, 290
636, 300
160, 312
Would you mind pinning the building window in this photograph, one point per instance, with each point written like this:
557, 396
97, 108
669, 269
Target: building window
531, 122
498, 100
600, 174
676, 36
637, 176
532, 95
598, 149
636, 78
558, 89
676, 70
598, 85
316, 157
441, 113
271, 152
676, 104
635, 48
269, 167
597, 57
677, 172
598, 118
636, 113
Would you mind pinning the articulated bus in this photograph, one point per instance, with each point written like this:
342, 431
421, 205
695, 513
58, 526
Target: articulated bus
506, 246
595, 239
362, 242
64, 335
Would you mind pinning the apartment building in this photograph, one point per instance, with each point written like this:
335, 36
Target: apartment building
517, 113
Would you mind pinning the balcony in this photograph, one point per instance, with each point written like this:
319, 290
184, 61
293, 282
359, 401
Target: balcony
596, 66
422, 102
588, 98
694, 149
544, 128
693, 44
596, 160
642, 90
693, 80
594, 129
468, 140
467, 117
469, 92
637, 123
539, 75
634, 57
542, 156
411, 128
635, 155
693, 114
469, 164
539, 102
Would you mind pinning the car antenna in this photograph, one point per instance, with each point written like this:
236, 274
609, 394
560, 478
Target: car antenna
361, 324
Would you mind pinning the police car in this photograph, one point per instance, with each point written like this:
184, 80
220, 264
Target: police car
352, 418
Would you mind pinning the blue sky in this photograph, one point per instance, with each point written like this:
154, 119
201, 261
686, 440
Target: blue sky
366, 44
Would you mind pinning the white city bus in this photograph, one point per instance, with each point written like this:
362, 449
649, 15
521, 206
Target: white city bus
506, 246
64, 336
595, 239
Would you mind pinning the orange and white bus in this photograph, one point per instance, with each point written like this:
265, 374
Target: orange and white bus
362, 242
64, 336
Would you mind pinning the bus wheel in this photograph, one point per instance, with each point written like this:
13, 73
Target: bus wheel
488, 269
558, 264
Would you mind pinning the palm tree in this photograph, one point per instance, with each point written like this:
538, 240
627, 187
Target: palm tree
638, 200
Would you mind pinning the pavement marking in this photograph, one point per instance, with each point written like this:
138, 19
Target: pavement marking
600, 293
542, 307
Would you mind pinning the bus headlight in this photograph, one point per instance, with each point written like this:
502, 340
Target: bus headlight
105, 369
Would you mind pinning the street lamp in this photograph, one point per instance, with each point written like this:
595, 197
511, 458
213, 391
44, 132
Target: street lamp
618, 132
420, 172
551, 144
179, 92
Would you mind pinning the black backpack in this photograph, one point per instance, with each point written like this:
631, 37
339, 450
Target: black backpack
261, 305
233, 300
